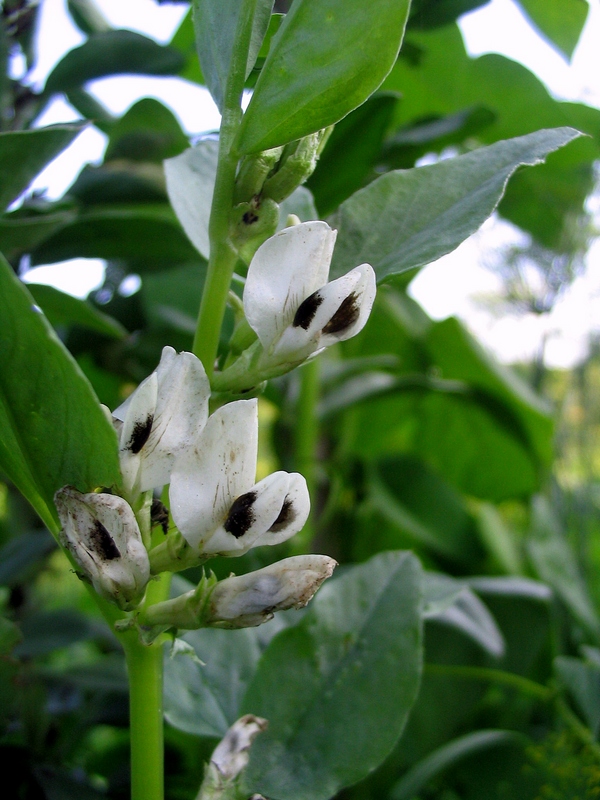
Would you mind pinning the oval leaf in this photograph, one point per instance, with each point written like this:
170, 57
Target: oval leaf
205, 700
409, 218
345, 677
215, 23
328, 57
113, 53
417, 778
63, 309
25, 153
52, 429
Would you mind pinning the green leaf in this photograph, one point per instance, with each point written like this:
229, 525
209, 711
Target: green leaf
556, 564
148, 236
113, 53
561, 21
583, 681
20, 556
21, 233
351, 152
510, 586
409, 218
148, 131
63, 309
435, 13
499, 539
467, 613
46, 631
331, 688
184, 41
415, 499
126, 182
417, 778
205, 700
458, 356
23, 154
556, 191
52, 429
215, 23
9, 636
173, 297
462, 438
327, 59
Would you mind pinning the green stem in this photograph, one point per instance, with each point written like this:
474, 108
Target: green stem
145, 673
518, 682
223, 256
306, 442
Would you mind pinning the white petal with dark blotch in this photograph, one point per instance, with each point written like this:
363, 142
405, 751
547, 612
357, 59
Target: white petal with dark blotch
218, 467
285, 270
249, 516
353, 313
161, 418
292, 515
137, 424
101, 532
181, 412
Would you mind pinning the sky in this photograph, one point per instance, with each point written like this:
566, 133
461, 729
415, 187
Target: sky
450, 285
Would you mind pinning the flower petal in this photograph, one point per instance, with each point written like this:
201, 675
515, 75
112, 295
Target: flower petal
160, 418
219, 467
285, 270
292, 515
101, 532
181, 412
333, 313
352, 315
137, 426
250, 516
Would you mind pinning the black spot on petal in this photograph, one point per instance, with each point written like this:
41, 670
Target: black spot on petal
241, 515
286, 516
103, 543
345, 316
141, 432
307, 310
250, 218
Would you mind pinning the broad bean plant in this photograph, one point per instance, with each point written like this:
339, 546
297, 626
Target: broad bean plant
269, 307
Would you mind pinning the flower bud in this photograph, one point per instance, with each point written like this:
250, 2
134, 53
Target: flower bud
101, 533
249, 600
230, 758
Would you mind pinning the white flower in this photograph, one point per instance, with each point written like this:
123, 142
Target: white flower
231, 755
160, 419
248, 600
101, 532
214, 501
290, 305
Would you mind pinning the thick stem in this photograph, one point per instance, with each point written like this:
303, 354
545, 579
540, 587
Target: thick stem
145, 672
223, 256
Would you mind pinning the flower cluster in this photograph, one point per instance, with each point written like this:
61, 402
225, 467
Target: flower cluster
166, 437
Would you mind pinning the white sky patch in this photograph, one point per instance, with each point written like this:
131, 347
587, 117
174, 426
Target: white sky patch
191, 104
78, 276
